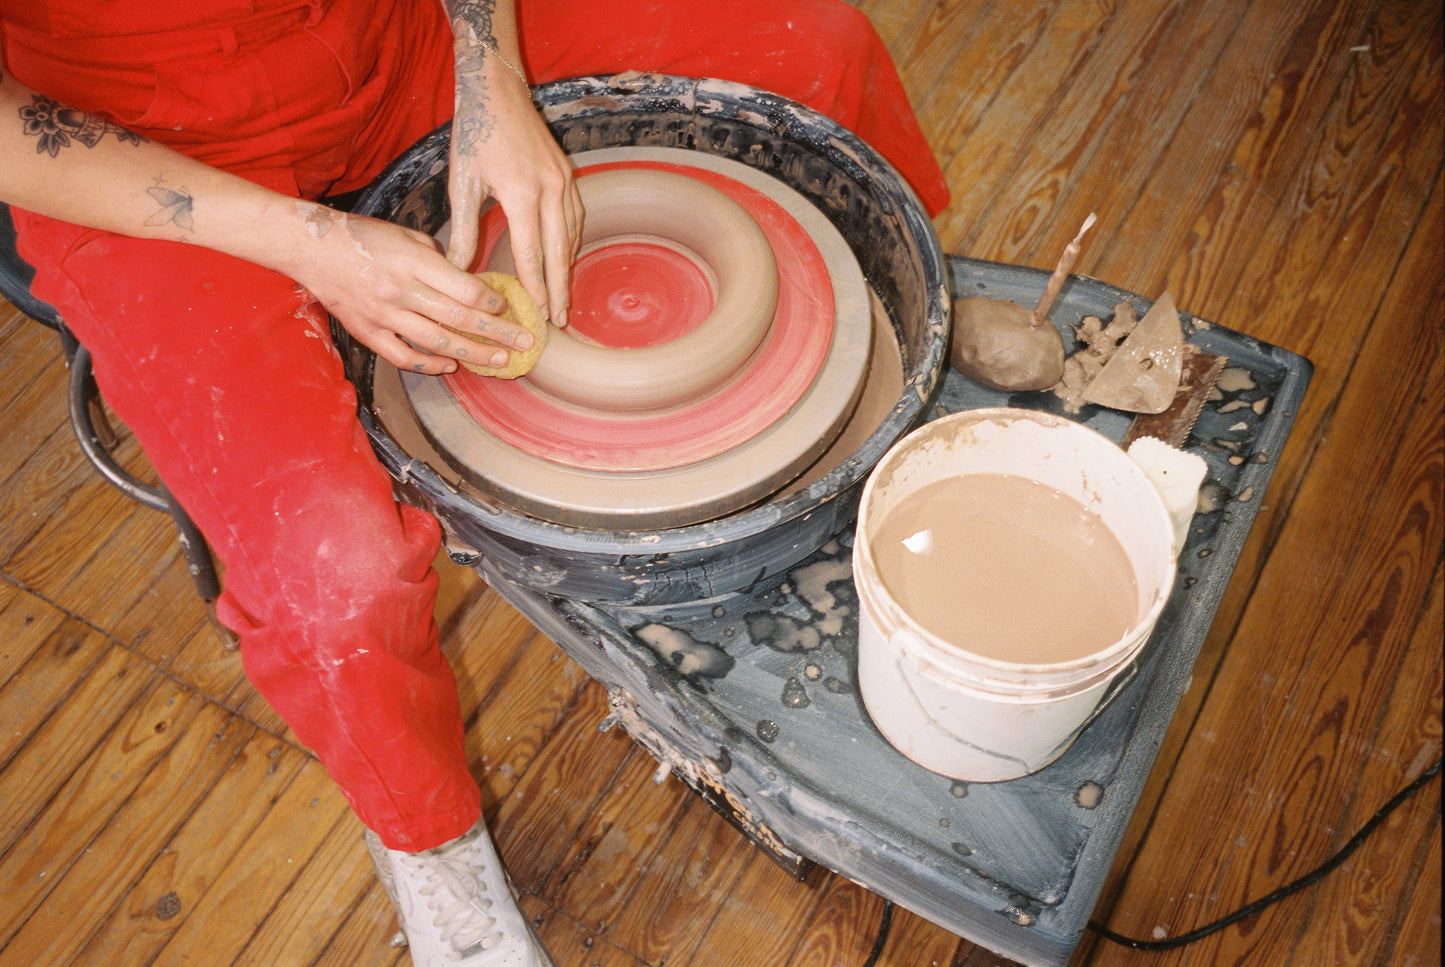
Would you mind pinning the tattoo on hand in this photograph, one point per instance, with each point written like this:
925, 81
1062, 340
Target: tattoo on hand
175, 208
57, 126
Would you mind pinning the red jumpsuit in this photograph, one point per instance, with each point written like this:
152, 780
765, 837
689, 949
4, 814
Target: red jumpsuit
225, 371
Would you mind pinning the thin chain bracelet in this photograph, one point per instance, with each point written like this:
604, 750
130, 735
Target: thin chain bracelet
506, 63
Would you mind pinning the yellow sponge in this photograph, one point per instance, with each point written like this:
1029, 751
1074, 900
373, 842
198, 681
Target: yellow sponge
524, 312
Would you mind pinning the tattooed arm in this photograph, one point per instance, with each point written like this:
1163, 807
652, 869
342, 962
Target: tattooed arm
388, 285
502, 149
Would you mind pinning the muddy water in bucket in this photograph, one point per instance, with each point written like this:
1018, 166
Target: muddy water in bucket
1010, 566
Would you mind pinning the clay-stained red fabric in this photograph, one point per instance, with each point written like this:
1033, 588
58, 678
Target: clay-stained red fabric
225, 371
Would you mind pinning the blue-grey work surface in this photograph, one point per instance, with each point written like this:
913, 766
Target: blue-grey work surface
752, 696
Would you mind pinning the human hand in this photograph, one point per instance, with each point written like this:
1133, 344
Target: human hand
501, 149
392, 289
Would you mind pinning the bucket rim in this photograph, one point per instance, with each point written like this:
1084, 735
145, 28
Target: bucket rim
1116, 654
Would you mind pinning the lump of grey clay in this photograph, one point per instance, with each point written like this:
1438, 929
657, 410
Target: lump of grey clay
996, 343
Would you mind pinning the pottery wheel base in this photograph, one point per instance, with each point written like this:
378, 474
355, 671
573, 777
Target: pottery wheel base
680, 463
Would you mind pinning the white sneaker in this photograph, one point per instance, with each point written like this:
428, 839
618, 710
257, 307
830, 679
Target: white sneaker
456, 905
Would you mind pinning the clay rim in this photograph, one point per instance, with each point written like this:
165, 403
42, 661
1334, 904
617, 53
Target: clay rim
712, 488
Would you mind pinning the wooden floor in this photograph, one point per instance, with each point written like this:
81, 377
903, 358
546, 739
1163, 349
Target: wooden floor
1276, 164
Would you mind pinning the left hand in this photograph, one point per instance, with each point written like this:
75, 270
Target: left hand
501, 149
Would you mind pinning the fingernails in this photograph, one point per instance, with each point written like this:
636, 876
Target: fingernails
499, 358
522, 340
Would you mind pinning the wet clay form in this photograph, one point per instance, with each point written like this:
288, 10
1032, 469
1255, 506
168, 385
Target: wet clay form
720, 341
1005, 346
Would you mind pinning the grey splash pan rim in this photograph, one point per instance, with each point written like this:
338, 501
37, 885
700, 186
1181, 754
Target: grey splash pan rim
855, 187
809, 789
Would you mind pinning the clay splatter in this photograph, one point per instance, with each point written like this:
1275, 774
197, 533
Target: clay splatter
959, 790
767, 730
684, 652
835, 685
795, 695
782, 632
827, 588
1234, 380
812, 672
1089, 795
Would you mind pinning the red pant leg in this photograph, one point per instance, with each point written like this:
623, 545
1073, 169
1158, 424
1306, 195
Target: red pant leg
228, 377
822, 53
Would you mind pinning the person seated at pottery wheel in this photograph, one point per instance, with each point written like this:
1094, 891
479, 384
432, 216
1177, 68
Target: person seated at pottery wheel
165, 164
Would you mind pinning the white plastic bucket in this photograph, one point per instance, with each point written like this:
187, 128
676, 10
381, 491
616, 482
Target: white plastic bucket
967, 715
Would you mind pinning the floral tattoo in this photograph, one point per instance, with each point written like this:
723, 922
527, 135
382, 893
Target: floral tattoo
472, 25
57, 126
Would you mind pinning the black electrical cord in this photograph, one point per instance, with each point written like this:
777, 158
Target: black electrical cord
882, 938
1317, 874
1314, 876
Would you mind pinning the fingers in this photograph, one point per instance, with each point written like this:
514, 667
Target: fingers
466, 220
456, 325
416, 343
562, 231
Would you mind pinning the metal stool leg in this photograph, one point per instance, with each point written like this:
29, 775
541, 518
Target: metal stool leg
96, 438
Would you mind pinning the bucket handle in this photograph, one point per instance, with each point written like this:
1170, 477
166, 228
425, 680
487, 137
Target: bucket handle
909, 657
904, 657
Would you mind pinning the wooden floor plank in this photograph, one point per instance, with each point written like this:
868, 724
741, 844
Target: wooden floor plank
1021, 110
365, 938
67, 736
192, 862
317, 904
1117, 112
37, 405
44, 653
621, 835
1256, 115
1418, 944
760, 923
1367, 889
842, 929
915, 942
571, 944
35, 492
560, 788
58, 834
243, 894
687, 879
1261, 690
99, 879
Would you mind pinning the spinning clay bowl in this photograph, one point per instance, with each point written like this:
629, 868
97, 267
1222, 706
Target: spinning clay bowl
861, 195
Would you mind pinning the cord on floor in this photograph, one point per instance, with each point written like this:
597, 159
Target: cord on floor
1314, 876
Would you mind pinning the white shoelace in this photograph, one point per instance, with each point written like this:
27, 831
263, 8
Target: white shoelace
457, 898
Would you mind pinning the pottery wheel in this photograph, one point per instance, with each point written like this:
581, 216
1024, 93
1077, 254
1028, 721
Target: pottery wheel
720, 340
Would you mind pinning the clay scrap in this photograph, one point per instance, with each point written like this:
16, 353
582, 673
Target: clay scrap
1143, 375
1006, 347
1127, 363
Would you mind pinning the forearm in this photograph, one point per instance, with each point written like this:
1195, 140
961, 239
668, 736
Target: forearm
76, 167
486, 29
